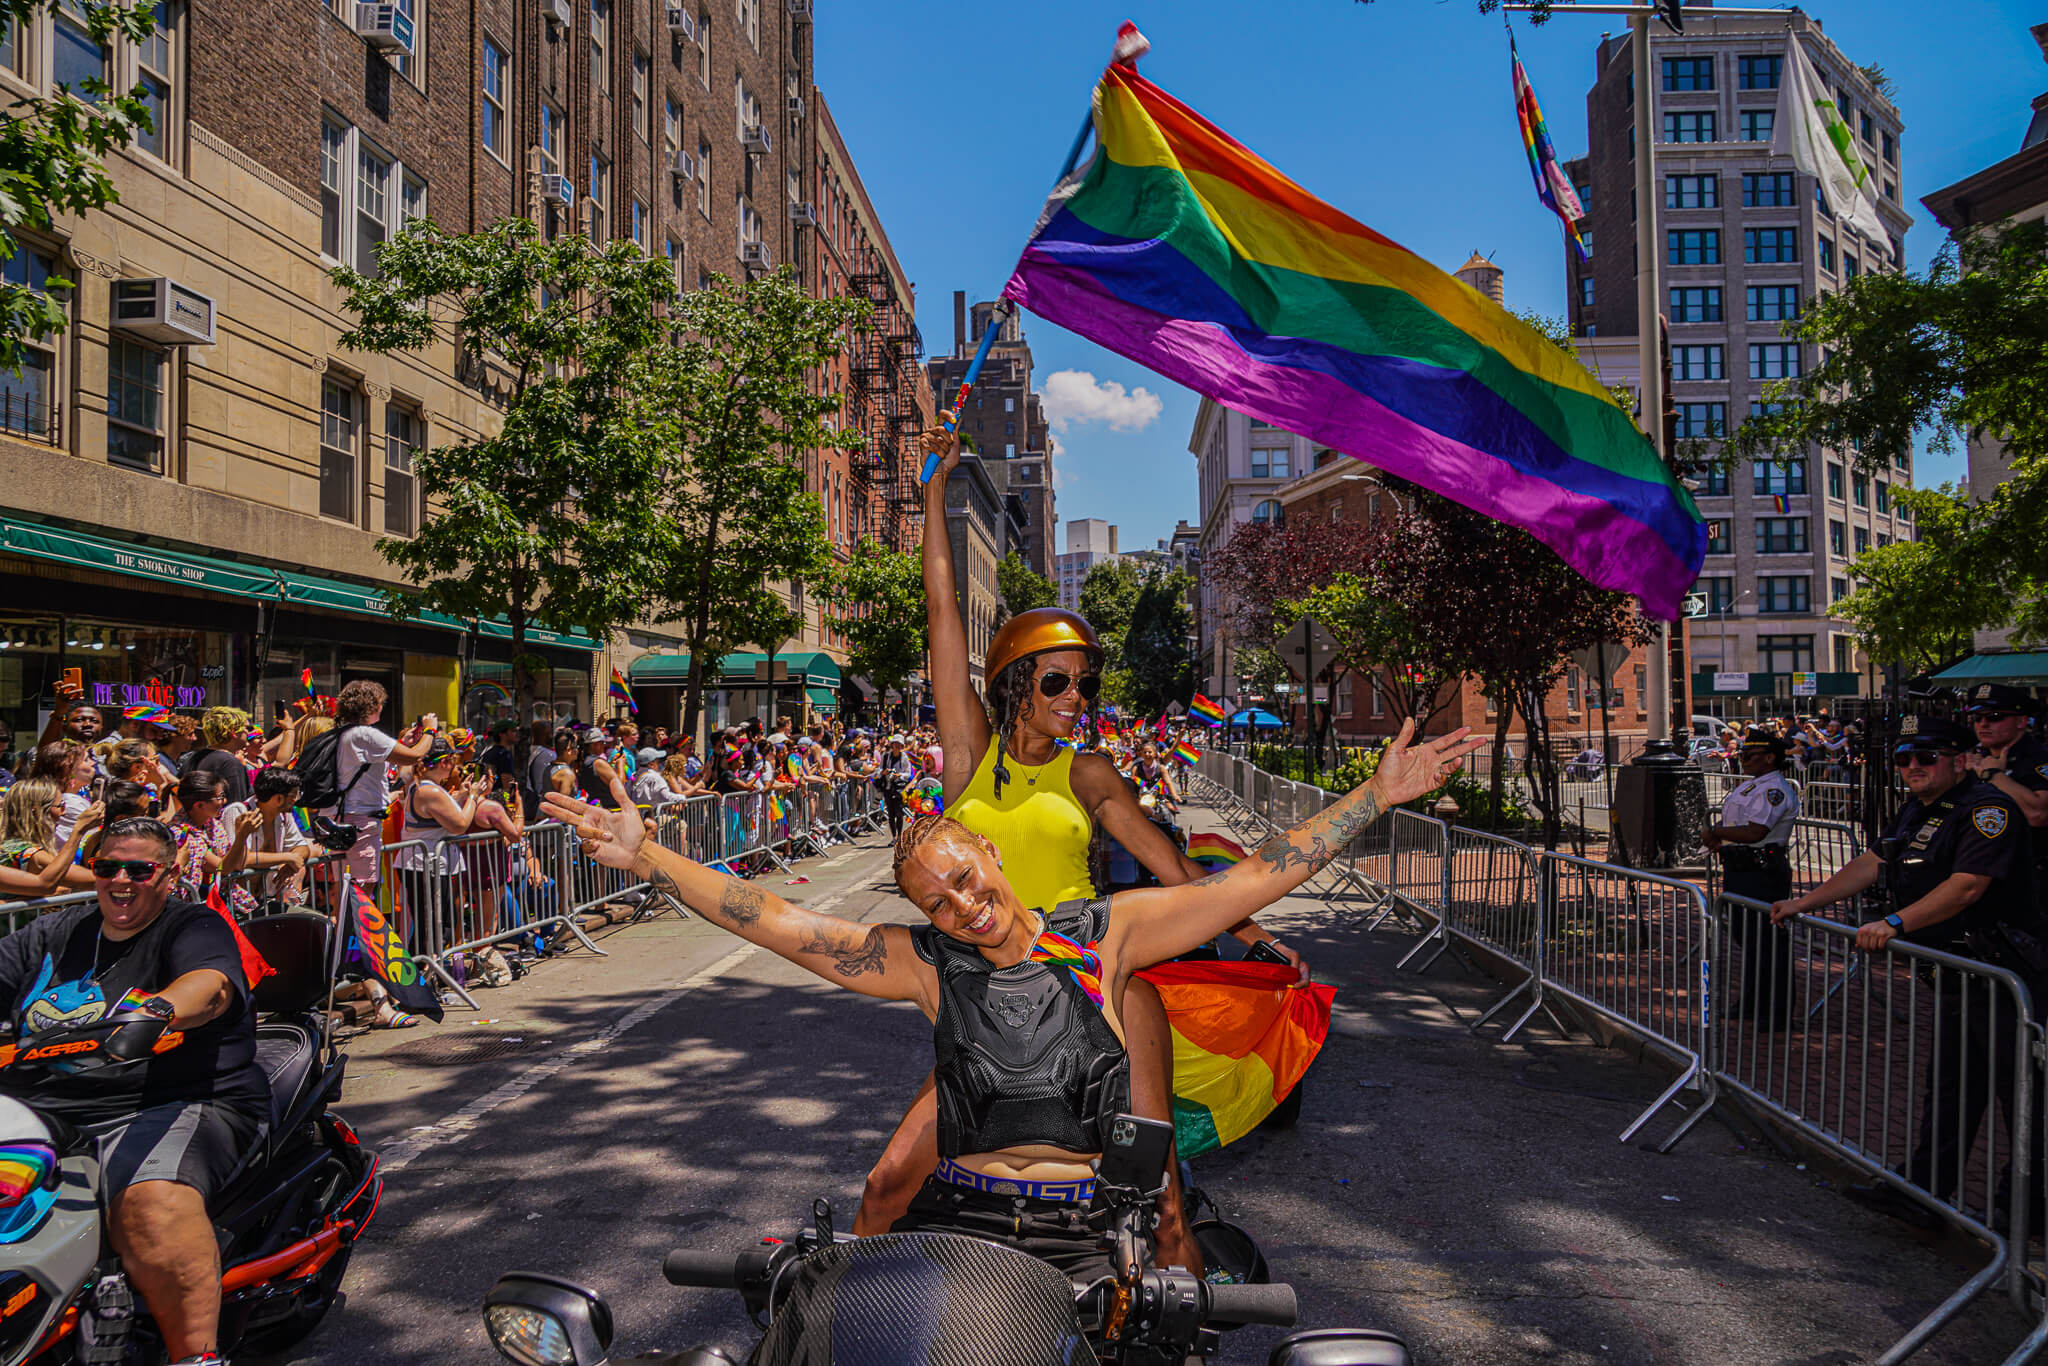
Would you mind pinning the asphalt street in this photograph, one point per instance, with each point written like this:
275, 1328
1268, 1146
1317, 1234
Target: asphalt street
687, 1090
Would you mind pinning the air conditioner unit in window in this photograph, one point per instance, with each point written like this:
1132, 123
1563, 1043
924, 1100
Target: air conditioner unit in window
755, 139
557, 13
803, 215
682, 23
557, 189
684, 167
796, 106
163, 311
754, 254
386, 27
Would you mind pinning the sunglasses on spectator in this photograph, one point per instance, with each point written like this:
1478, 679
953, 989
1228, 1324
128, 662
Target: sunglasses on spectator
1925, 758
138, 870
1056, 683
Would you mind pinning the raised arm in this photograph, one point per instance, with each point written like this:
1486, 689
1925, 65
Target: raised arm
1153, 924
963, 724
874, 960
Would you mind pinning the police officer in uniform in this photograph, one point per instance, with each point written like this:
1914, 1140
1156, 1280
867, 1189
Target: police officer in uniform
1756, 823
2013, 760
1960, 867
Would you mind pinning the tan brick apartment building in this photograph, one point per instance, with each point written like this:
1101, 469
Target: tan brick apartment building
195, 498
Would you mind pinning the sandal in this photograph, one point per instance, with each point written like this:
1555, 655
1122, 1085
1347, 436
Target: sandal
399, 1019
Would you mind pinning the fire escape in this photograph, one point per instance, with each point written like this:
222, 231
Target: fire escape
884, 365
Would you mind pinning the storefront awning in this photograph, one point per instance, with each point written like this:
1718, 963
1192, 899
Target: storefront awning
124, 557
497, 628
2027, 666
813, 670
824, 699
305, 590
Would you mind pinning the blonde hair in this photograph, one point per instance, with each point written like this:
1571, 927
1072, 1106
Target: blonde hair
25, 812
224, 727
319, 725
676, 766
920, 831
121, 758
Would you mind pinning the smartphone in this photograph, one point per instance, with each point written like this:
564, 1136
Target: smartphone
279, 710
73, 681
1264, 952
99, 786
1136, 1154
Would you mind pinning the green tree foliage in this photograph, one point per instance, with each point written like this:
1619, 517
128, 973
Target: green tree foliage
51, 150
1108, 597
1963, 351
734, 519
1022, 587
1916, 603
546, 521
880, 597
1156, 653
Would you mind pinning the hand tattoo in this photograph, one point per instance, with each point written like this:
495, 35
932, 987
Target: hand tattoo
850, 960
739, 904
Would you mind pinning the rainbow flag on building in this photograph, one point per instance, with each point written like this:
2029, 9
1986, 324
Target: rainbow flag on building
620, 692
1553, 186
1780, 503
1187, 753
1202, 709
1179, 248
1215, 852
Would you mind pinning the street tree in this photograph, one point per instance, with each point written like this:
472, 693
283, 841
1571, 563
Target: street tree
52, 152
1266, 564
879, 597
738, 537
1108, 597
544, 521
1022, 587
1156, 654
1388, 645
1916, 603
1961, 352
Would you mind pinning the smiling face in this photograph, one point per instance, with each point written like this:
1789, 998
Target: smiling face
1058, 716
956, 880
126, 906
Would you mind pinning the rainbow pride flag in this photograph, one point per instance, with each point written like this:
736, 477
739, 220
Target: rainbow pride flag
1202, 709
1187, 753
1553, 186
1214, 851
620, 692
1179, 248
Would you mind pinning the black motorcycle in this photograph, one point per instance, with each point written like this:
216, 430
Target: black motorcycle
825, 1298
287, 1221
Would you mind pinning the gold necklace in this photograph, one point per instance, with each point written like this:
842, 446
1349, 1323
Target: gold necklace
1031, 774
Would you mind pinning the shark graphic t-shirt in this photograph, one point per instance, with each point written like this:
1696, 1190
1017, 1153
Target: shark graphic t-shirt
59, 971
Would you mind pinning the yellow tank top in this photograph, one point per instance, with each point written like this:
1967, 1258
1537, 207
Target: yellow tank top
1040, 827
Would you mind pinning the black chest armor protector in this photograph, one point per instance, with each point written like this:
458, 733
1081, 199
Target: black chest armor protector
1024, 1057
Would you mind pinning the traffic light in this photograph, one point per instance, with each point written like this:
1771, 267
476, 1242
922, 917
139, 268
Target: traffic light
1671, 12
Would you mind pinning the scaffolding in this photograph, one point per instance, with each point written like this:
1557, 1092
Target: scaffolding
883, 370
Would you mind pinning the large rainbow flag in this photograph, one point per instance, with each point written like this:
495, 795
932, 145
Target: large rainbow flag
1179, 248
1202, 709
1213, 851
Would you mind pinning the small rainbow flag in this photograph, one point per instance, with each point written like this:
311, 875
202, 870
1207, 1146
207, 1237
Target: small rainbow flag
776, 810
1187, 753
154, 713
1215, 852
1205, 710
619, 692
1108, 730
1781, 503
306, 679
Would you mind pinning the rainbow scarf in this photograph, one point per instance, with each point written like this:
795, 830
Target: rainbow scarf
1202, 709
1215, 852
1177, 247
1243, 1034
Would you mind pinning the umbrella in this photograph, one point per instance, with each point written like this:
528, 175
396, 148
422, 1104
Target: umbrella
1255, 717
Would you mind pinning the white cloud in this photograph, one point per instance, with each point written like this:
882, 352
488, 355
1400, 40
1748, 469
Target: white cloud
1077, 396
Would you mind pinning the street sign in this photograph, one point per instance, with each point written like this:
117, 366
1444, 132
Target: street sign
1731, 682
1600, 660
1805, 685
1306, 649
1695, 605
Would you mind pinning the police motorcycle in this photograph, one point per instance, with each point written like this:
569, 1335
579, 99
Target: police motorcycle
287, 1221
826, 1298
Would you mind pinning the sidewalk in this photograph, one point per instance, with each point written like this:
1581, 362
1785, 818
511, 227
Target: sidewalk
1473, 1196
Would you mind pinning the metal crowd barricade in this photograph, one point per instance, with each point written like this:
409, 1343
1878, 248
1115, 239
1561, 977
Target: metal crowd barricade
1419, 868
1493, 899
1828, 801
15, 915
1623, 944
1819, 849
502, 893
1895, 1068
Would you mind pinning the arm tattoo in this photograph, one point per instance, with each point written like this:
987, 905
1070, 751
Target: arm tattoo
738, 904
1282, 853
1211, 880
849, 959
1345, 826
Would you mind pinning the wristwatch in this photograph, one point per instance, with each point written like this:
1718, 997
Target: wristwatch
159, 1007
1896, 923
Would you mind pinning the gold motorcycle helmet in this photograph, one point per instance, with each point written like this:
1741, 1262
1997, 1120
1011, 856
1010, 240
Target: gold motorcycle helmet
1037, 631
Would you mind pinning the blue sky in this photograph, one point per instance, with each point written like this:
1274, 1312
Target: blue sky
1399, 112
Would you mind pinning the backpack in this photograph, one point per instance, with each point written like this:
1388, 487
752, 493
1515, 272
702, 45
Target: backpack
319, 770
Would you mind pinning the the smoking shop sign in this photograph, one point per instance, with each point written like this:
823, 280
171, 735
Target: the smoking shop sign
156, 690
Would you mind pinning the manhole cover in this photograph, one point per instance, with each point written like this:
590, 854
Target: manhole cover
452, 1050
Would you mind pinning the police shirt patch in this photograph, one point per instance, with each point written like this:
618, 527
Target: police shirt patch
1989, 820
2042, 770
1776, 796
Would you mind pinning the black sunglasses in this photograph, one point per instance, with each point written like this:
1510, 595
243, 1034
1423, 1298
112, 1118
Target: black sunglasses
1055, 683
138, 870
1926, 758
1992, 715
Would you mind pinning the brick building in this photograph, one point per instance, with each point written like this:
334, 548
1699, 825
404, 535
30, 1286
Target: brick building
1005, 422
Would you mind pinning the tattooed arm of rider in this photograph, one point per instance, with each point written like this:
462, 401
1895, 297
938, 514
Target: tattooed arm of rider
1152, 924
874, 960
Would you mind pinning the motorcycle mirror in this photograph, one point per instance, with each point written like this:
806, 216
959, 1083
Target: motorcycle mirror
1340, 1347
540, 1320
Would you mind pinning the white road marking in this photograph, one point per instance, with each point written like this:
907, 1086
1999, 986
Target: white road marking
395, 1157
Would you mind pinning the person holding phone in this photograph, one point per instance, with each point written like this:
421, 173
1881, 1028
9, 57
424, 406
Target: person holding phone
363, 760
71, 718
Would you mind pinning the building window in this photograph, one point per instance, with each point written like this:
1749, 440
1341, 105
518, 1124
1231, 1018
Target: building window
402, 432
75, 56
1781, 535
1719, 541
1770, 245
1695, 303
1269, 511
1704, 422
1696, 363
1758, 73
1869, 128
1837, 590
1692, 125
1270, 463
704, 178
704, 48
1761, 190
1784, 654
1884, 496
27, 400
1774, 360
748, 12
1585, 291
639, 225
1693, 246
1827, 253
600, 44
749, 221
497, 81
1688, 73
1838, 539
1777, 476
403, 61
1773, 303
600, 196
339, 425
1862, 539
1692, 192
641, 69
1851, 268
135, 404
373, 207
1891, 148
333, 186
1714, 478
153, 68
1754, 125
1719, 591
1834, 481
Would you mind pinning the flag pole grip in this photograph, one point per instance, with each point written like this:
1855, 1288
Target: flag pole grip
995, 324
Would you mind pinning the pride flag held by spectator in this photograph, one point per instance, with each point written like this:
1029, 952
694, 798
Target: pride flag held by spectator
1215, 852
1187, 753
382, 954
1202, 709
618, 691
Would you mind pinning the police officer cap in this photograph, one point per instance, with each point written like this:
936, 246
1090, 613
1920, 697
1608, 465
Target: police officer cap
1996, 697
1759, 738
1932, 732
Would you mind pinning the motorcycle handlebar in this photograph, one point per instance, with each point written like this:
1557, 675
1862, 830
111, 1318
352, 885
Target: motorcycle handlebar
1273, 1304
695, 1266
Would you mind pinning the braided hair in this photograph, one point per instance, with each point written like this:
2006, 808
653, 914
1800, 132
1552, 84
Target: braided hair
1009, 698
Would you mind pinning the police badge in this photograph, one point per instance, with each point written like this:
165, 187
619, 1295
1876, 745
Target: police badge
1989, 820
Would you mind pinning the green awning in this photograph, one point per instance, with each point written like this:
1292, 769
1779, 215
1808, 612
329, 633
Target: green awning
824, 699
816, 670
305, 590
125, 557
664, 669
497, 628
2021, 666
